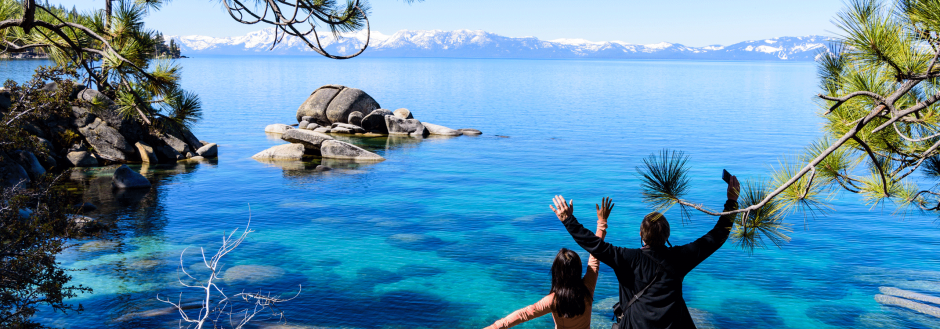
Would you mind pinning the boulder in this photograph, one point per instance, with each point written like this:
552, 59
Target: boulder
315, 106
277, 128
94, 97
177, 144
11, 173
187, 136
434, 129
375, 121
210, 150
308, 119
341, 150
302, 125
323, 130
355, 118
125, 178
282, 152
146, 152
311, 140
470, 132
30, 163
322, 168
82, 159
44, 143
350, 100
107, 141
342, 130
6, 100
33, 129
85, 207
399, 126
189, 155
354, 129
403, 113
83, 116
312, 126
167, 153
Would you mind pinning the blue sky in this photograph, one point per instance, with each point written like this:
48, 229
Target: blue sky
693, 23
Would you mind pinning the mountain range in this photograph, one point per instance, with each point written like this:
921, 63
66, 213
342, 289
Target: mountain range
481, 44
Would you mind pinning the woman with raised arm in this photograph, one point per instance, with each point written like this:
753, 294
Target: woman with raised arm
651, 277
571, 296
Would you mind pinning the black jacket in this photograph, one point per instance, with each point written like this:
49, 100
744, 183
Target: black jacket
661, 306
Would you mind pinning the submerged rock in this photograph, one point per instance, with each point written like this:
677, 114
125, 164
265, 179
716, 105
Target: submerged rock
341, 150
322, 168
277, 128
469, 131
124, 177
252, 274
292, 151
434, 129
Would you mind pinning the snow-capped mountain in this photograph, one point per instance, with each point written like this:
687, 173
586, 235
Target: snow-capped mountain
480, 44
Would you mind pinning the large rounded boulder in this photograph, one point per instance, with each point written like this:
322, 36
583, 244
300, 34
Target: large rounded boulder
334, 103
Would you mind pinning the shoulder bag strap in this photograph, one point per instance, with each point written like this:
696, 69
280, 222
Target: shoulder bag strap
659, 271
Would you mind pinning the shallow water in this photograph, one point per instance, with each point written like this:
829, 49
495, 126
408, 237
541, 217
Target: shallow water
456, 232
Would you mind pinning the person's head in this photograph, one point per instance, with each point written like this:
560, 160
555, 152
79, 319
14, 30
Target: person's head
567, 285
655, 229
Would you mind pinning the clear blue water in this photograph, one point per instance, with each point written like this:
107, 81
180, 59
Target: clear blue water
457, 232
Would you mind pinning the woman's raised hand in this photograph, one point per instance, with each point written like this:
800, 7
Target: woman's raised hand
603, 210
562, 209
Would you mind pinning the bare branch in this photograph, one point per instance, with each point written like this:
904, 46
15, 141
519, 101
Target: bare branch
874, 159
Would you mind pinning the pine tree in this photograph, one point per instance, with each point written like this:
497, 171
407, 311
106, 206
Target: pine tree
880, 91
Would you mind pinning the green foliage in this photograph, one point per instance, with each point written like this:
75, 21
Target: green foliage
752, 228
116, 53
665, 180
34, 106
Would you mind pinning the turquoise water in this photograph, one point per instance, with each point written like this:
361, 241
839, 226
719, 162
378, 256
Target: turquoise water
457, 232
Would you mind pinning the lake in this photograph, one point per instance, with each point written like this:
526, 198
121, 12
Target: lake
457, 232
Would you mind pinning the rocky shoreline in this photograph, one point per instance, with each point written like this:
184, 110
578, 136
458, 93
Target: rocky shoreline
335, 110
94, 134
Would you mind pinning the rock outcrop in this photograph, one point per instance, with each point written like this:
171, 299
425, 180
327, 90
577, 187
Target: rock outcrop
310, 140
335, 149
334, 103
399, 126
282, 152
375, 121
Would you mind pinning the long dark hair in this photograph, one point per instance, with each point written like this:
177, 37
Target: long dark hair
567, 285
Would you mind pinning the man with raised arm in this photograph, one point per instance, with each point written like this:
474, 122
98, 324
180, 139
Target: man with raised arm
651, 277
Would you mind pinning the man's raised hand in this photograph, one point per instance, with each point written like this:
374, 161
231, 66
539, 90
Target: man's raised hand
562, 209
734, 188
